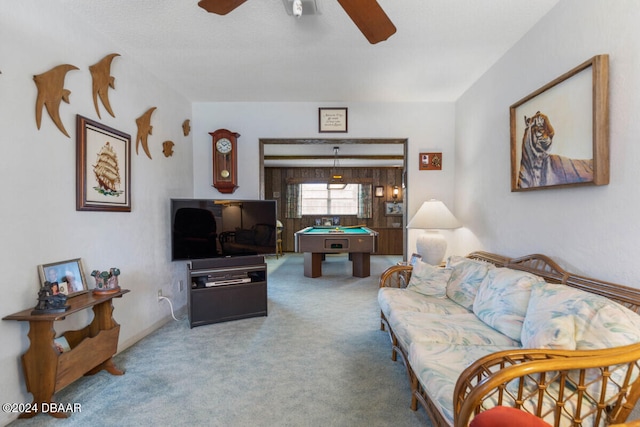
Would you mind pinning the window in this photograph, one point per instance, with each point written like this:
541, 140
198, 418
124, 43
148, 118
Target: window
316, 199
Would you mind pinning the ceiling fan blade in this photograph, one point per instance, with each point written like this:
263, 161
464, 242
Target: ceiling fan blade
369, 18
220, 7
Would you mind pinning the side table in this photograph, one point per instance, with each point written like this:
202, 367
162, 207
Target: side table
46, 369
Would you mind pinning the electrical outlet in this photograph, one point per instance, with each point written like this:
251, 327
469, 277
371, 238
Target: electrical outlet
159, 294
180, 286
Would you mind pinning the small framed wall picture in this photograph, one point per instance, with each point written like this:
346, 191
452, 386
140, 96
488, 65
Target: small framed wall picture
103, 167
332, 120
430, 161
393, 208
379, 191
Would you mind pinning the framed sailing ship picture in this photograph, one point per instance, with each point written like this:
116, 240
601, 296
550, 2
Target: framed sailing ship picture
103, 167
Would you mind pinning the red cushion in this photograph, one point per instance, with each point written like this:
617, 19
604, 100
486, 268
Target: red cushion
504, 416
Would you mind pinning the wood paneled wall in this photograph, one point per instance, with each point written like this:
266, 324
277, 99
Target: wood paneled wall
390, 227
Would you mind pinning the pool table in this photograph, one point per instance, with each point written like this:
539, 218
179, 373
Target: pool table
359, 242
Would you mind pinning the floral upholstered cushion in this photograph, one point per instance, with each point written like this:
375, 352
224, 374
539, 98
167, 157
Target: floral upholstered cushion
549, 322
464, 329
503, 298
465, 279
563, 317
438, 366
407, 300
429, 280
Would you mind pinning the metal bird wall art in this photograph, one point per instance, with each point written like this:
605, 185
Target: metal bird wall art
102, 81
186, 127
51, 92
144, 130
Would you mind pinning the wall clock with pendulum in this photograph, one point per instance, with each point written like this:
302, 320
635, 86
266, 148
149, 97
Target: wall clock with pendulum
225, 160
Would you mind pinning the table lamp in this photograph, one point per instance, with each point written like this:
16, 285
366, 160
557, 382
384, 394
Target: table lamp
433, 215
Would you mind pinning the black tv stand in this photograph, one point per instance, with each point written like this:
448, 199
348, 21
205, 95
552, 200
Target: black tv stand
223, 289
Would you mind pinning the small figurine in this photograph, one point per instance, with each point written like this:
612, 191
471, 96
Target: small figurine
50, 300
106, 281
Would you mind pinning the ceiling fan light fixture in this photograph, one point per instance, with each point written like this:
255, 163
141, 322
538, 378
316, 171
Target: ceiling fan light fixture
298, 8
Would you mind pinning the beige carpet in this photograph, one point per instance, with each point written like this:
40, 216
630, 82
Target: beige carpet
318, 359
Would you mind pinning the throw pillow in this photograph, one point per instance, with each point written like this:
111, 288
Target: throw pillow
594, 321
429, 280
465, 279
549, 322
598, 323
503, 298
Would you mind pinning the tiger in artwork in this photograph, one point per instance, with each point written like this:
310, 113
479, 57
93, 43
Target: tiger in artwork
539, 168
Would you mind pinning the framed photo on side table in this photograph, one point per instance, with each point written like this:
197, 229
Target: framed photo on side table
69, 275
103, 167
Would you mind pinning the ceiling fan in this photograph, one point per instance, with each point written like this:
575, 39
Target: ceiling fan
368, 16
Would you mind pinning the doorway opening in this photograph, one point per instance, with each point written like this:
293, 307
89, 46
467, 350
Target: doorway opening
380, 162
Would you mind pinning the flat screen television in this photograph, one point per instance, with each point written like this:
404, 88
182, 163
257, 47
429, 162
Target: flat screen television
205, 228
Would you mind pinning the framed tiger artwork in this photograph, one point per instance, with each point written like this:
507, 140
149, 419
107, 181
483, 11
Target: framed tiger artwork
560, 132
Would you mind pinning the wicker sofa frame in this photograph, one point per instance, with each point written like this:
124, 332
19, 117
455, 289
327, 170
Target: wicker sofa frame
486, 379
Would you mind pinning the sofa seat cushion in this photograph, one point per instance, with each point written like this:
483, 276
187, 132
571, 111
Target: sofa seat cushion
392, 299
463, 329
438, 366
503, 298
466, 277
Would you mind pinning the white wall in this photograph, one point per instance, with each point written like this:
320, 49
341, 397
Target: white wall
593, 230
38, 220
427, 127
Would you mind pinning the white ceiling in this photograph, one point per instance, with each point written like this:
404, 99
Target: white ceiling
258, 52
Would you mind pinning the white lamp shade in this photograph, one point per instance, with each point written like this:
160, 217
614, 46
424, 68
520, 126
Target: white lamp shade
433, 215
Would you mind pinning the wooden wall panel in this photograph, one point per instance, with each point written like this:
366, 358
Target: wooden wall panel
391, 234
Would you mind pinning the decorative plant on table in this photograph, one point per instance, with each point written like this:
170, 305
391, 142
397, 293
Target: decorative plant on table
106, 281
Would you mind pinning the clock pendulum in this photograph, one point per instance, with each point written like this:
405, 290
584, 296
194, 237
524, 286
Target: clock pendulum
225, 172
